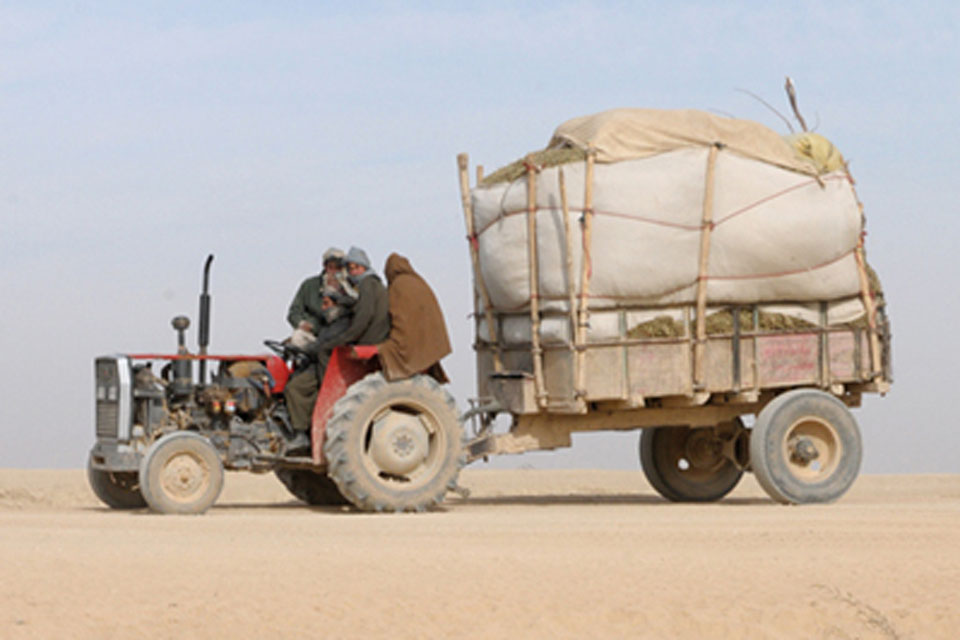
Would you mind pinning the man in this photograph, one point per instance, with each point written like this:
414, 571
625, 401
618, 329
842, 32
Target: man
319, 311
306, 314
418, 334
369, 323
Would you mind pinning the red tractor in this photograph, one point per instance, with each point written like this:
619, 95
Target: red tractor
164, 439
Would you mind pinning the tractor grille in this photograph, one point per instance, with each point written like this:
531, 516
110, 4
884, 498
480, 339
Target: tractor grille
109, 396
108, 418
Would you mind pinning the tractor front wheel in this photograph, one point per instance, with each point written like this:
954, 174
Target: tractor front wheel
394, 446
181, 473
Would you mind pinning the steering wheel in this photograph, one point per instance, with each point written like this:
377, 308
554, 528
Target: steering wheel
278, 347
286, 350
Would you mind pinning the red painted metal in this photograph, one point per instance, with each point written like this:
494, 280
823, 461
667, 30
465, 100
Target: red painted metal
279, 371
347, 365
364, 351
193, 356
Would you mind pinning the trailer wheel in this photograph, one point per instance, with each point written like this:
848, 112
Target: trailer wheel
116, 489
394, 446
181, 473
311, 487
805, 447
687, 465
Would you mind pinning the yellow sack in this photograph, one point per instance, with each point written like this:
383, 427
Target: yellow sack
817, 149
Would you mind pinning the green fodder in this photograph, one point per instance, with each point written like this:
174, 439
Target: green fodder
543, 159
659, 327
718, 323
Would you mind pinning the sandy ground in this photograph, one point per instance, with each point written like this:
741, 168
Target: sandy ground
532, 554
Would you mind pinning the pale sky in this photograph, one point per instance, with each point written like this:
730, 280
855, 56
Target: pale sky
136, 138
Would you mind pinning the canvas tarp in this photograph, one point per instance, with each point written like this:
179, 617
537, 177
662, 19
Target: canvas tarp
627, 134
778, 235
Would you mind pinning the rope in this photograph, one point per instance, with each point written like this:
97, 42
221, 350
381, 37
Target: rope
665, 223
693, 282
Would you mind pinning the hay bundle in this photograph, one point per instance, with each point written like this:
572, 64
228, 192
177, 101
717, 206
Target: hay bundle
718, 323
543, 159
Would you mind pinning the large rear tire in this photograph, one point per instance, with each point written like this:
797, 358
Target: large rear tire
181, 473
394, 446
805, 447
116, 489
688, 465
311, 487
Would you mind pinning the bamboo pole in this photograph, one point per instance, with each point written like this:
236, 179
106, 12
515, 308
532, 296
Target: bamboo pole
583, 317
568, 234
706, 230
479, 173
534, 269
479, 286
875, 364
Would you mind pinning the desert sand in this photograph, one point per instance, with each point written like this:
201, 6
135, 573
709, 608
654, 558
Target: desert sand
531, 554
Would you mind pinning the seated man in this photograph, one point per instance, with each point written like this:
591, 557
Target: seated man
418, 334
319, 311
306, 314
368, 323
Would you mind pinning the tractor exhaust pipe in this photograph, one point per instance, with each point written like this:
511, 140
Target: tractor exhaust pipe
203, 333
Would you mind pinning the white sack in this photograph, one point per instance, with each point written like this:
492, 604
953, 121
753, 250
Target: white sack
779, 235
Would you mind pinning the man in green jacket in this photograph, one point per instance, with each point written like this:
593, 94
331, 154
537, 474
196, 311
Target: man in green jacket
369, 324
308, 313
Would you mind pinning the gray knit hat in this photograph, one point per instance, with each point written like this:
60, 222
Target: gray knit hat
358, 256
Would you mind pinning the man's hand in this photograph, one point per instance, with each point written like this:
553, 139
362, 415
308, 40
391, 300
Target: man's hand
306, 326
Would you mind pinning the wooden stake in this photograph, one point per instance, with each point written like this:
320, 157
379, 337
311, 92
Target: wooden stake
463, 163
706, 230
479, 173
568, 234
871, 310
583, 317
534, 269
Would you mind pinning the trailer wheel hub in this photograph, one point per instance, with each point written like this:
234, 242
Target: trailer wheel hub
399, 442
704, 450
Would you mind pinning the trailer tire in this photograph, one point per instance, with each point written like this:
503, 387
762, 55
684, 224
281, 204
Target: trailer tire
395, 446
805, 447
683, 465
314, 488
181, 473
116, 489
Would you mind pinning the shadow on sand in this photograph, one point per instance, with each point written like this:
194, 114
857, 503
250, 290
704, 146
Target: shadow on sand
588, 499
453, 502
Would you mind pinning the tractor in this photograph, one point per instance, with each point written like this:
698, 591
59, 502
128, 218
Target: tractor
164, 438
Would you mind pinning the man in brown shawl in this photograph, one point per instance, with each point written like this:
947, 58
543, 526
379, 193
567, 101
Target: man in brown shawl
418, 334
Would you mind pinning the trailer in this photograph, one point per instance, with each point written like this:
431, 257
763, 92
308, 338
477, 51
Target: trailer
578, 335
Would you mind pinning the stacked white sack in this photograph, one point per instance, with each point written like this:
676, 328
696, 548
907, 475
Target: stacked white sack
779, 235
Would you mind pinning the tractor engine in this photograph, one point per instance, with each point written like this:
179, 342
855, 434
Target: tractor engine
237, 409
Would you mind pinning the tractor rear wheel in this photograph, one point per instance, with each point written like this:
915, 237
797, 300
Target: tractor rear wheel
394, 446
314, 488
688, 465
116, 489
181, 473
